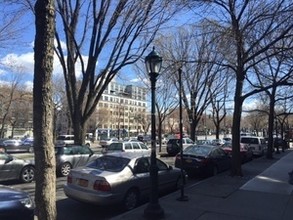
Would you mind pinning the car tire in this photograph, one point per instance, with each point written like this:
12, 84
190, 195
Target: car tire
131, 199
65, 169
27, 174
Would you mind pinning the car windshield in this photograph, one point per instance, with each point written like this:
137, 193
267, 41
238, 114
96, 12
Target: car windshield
109, 163
201, 151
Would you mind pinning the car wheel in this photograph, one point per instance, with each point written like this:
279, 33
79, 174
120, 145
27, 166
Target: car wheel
30, 149
27, 174
131, 199
65, 169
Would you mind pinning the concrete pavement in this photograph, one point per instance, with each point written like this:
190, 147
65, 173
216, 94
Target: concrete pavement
263, 193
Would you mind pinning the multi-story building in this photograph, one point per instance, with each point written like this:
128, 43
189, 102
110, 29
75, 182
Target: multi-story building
122, 110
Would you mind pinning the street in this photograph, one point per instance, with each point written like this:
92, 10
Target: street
70, 209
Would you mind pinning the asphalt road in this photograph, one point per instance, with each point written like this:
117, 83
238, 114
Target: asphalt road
70, 209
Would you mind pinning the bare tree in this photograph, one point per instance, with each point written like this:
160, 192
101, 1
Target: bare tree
191, 49
166, 103
10, 89
219, 101
11, 22
45, 189
248, 29
274, 74
166, 98
101, 38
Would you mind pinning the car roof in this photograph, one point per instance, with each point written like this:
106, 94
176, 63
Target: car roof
205, 145
129, 155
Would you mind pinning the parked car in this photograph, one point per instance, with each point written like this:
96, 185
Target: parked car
246, 153
126, 146
227, 139
15, 204
12, 168
258, 145
71, 156
119, 178
28, 143
15, 145
203, 142
218, 142
68, 139
280, 144
106, 142
203, 160
173, 146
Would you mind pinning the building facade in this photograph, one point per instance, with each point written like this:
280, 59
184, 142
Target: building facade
121, 111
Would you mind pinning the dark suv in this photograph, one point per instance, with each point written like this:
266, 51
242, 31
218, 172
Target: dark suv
173, 146
71, 156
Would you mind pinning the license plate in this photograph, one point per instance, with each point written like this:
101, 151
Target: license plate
83, 182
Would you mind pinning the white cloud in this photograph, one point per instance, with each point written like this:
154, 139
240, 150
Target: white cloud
24, 64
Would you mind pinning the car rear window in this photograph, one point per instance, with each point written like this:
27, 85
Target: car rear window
201, 151
65, 137
249, 140
109, 163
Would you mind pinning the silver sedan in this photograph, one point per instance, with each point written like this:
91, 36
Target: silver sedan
119, 178
12, 168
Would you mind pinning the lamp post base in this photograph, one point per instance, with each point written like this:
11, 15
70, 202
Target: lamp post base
153, 211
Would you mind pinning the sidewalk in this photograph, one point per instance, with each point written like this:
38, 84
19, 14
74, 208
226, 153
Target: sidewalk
262, 194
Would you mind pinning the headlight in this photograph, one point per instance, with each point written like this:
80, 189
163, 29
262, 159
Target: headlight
27, 202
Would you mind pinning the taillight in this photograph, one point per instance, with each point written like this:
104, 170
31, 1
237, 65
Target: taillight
178, 157
102, 185
69, 179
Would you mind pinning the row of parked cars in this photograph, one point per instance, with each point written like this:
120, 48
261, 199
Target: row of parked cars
27, 145
120, 175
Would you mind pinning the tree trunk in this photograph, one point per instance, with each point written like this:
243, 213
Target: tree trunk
45, 189
269, 153
218, 131
238, 102
78, 127
192, 130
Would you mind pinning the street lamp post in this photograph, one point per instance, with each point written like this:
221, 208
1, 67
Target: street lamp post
153, 210
182, 196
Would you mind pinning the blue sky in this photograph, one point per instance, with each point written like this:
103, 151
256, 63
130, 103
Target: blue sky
18, 58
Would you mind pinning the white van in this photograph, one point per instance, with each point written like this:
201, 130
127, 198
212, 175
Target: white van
68, 139
258, 145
